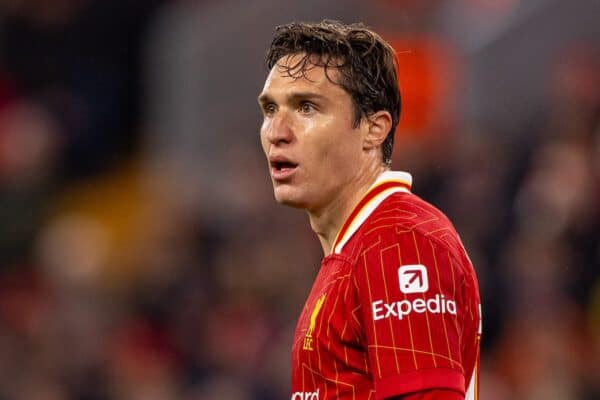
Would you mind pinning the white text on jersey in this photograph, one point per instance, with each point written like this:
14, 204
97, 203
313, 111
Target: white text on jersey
399, 309
305, 395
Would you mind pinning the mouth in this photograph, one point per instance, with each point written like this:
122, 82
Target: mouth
282, 169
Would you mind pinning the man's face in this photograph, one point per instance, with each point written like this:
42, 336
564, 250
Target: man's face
308, 136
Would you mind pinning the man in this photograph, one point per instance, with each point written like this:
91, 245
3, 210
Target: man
394, 311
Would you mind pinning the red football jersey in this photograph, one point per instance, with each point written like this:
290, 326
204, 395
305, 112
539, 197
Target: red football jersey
394, 308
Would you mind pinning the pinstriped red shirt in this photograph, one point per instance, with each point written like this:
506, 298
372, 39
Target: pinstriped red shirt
394, 309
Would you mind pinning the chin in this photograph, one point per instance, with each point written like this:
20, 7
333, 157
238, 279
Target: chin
288, 198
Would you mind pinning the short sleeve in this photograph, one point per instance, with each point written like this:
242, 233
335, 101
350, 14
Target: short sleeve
409, 286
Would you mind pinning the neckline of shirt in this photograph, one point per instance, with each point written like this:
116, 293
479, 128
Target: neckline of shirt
388, 183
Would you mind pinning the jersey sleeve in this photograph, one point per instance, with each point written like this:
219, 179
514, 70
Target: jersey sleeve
409, 288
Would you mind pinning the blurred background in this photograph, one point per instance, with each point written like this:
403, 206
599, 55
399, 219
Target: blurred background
142, 255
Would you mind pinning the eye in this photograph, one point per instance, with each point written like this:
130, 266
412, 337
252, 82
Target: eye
307, 107
269, 108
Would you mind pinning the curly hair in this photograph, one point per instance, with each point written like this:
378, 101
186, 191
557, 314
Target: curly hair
365, 63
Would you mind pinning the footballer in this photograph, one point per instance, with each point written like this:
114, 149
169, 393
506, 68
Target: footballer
394, 312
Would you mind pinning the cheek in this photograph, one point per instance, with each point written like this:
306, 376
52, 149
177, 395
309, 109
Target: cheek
336, 143
263, 138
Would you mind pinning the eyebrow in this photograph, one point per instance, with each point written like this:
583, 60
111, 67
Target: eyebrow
264, 99
293, 97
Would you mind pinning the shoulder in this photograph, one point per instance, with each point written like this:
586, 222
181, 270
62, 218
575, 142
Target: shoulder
405, 220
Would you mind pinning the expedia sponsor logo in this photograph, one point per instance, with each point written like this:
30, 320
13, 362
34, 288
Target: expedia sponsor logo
413, 278
400, 309
305, 395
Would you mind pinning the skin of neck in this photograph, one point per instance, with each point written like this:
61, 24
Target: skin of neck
327, 221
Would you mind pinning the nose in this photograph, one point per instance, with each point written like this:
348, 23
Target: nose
279, 129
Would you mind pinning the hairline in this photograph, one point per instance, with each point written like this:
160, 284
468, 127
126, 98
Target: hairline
315, 60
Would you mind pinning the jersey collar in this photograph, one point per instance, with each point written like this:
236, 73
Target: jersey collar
388, 183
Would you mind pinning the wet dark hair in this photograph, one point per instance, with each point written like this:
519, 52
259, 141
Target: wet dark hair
365, 63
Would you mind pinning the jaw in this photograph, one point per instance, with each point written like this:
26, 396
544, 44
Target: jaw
288, 195
311, 198
298, 193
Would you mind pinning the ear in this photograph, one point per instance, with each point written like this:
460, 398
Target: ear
378, 127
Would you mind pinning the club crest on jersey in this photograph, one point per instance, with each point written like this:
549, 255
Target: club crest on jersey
308, 339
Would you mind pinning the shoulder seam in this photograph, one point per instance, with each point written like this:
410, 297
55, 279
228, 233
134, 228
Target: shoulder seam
419, 232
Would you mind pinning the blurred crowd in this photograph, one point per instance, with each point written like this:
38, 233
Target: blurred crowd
142, 255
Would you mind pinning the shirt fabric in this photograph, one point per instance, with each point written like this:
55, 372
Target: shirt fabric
395, 307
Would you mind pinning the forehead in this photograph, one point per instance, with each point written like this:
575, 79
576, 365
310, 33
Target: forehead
287, 74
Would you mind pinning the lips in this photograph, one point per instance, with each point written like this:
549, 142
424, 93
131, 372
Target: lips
282, 167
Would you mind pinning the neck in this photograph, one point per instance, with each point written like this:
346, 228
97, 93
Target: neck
328, 220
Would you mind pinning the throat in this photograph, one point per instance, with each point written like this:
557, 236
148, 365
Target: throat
326, 236
327, 221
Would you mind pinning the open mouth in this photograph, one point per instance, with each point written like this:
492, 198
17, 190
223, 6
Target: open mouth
282, 169
283, 165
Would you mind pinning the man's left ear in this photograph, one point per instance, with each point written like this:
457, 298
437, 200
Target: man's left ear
379, 124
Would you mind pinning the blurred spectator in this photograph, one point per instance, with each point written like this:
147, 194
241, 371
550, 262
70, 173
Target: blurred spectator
81, 59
